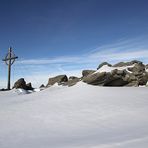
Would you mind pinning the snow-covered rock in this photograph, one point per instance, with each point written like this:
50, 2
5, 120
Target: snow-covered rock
122, 74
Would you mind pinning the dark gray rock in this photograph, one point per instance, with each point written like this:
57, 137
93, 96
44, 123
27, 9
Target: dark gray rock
21, 83
85, 73
113, 78
29, 86
102, 64
42, 86
116, 81
60, 79
97, 78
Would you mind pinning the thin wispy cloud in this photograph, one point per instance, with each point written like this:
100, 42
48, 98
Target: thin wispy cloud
95, 57
121, 50
49, 60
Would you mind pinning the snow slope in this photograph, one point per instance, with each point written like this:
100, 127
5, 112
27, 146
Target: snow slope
82, 116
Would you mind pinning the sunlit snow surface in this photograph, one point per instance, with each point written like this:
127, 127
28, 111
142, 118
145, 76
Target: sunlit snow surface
81, 116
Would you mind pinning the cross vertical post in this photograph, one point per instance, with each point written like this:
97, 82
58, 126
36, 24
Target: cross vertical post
9, 60
9, 70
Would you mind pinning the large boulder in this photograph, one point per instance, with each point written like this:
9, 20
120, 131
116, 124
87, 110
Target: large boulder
106, 79
96, 78
60, 79
104, 63
21, 83
29, 86
85, 73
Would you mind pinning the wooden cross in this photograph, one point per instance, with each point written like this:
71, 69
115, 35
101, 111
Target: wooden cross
9, 60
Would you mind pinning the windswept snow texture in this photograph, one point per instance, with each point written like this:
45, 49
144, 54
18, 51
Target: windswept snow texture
81, 116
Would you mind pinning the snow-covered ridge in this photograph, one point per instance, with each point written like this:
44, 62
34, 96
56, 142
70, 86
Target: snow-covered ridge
106, 68
121, 74
133, 73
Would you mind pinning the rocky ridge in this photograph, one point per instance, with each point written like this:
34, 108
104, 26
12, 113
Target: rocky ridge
133, 73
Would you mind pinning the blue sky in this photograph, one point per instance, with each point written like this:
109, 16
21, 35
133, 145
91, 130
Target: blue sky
65, 36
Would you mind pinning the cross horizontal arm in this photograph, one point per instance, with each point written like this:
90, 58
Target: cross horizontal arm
7, 59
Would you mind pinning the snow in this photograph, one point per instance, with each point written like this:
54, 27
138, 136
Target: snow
82, 116
106, 68
22, 91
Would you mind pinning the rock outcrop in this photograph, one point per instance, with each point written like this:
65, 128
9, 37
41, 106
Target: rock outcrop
121, 64
21, 83
105, 79
60, 80
132, 74
63, 80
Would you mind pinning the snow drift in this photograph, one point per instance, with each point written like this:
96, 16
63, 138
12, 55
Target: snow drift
82, 116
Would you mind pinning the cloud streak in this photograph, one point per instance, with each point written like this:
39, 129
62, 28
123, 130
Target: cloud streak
121, 50
98, 56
